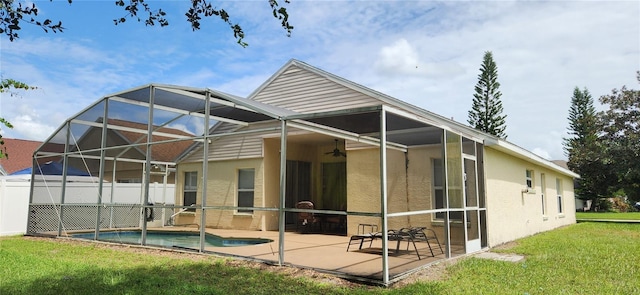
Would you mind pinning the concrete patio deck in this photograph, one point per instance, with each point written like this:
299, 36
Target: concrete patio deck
327, 253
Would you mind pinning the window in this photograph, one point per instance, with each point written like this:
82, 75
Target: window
246, 180
438, 187
543, 188
529, 176
559, 194
190, 189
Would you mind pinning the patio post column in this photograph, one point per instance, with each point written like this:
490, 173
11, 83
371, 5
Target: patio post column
205, 169
383, 195
103, 145
63, 187
283, 179
30, 216
147, 166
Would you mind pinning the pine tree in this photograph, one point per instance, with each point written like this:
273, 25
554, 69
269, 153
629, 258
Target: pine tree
586, 154
486, 111
582, 121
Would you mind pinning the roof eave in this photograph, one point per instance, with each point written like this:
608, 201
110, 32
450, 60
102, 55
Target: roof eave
521, 153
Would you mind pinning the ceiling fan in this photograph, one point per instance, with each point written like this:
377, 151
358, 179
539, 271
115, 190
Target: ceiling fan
336, 152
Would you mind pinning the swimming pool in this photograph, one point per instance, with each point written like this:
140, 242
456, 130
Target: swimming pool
172, 239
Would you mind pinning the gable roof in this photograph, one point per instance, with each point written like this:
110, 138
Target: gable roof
437, 120
383, 99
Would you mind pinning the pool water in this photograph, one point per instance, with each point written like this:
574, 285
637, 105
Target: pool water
171, 239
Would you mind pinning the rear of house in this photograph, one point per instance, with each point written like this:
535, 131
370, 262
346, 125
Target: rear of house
505, 192
359, 160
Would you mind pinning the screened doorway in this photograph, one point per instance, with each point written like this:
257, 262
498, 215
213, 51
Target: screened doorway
298, 186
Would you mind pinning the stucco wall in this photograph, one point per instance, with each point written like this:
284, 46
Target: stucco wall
512, 214
272, 181
222, 191
222, 188
420, 171
409, 186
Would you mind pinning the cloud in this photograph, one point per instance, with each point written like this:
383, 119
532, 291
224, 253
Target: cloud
542, 153
423, 52
402, 59
398, 58
30, 125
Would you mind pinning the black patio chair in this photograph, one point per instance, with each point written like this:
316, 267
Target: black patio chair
423, 234
363, 235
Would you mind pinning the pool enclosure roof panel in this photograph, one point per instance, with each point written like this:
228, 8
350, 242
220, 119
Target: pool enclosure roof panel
193, 100
366, 122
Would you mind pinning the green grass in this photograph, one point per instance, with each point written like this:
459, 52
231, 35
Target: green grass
49, 267
585, 258
608, 215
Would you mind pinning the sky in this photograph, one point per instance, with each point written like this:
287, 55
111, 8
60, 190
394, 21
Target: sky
427, 53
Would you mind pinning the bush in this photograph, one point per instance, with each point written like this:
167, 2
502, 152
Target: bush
620, 204
603, 205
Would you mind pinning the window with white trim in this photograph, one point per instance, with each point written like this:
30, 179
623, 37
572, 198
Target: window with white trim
543, 196
190, 189
246, 189
559, 194
529, 179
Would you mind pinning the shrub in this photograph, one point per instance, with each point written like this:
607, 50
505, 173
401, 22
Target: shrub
620, 204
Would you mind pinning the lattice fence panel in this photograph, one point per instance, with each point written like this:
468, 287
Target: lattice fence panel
167, 216
123, 216
43, 219
80, 217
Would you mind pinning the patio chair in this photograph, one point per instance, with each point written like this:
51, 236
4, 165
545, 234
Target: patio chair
402, 235
306, 219
392, 235
423, 234
363, 235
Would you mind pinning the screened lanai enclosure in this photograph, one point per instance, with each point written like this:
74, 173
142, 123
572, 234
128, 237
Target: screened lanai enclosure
368, 193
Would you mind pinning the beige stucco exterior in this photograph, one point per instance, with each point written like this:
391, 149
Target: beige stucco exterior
512, 213
222, 191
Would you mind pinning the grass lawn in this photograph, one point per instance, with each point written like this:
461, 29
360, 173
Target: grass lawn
608, 215
585, 258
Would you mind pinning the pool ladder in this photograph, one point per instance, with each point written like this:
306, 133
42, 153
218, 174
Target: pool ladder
172, 218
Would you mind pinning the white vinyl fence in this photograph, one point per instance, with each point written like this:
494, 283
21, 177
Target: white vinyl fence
14, 198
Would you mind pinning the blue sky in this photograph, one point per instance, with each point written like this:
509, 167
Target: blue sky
426, 53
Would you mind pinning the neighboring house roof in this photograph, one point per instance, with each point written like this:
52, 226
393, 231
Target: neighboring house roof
162, 153
562, 163
167, 153
20, 153
440, 121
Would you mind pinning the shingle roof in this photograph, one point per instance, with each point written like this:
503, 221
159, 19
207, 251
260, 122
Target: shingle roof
20, 153
167, 152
